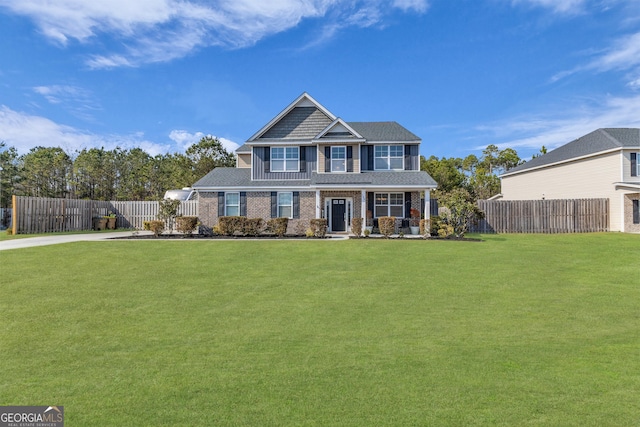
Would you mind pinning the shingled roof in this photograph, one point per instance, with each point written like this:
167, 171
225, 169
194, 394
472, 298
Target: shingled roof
598, 141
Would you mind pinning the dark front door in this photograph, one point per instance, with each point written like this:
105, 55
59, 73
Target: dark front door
338, 210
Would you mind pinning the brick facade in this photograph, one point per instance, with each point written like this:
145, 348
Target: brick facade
629, 226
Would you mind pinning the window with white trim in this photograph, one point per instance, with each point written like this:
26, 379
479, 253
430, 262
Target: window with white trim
285, 159
285, 205
635, 164
389, 157
389, 204
338, 159
232, 204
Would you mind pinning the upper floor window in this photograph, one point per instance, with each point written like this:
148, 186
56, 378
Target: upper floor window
635, 164
338, 159
389, 157
232, 204
285, 159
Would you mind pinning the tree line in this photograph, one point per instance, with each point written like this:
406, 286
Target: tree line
99, 174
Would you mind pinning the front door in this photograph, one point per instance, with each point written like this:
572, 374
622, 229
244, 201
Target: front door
338, 211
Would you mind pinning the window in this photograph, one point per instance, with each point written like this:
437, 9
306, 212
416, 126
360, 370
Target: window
635, 164
285, 159
389, 204
389, 157
636, 211
338, 159
232, 204
285, 205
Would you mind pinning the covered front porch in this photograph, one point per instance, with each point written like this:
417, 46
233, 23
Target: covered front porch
339, 207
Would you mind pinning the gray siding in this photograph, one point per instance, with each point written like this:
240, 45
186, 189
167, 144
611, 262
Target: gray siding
260, 153
302, 123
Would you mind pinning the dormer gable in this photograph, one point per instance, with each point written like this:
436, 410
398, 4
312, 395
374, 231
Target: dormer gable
338, 131
301, 120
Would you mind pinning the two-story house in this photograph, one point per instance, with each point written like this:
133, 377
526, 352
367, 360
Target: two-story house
602, 164
307, 163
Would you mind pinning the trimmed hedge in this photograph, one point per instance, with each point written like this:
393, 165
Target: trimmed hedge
387, 225
157, 227
253, 226
356, 226
186, 224
278, 226
425, 227
318, 227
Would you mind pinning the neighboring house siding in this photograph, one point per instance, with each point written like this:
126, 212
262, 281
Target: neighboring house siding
587, 178
262, 153
302, 123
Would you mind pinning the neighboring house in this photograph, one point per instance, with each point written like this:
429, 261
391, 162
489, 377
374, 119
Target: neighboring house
602, 164
307, 163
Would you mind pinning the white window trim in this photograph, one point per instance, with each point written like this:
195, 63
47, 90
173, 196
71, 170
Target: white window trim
345, 158
388, 158
285, 205
285, 160
227, 204
388, 205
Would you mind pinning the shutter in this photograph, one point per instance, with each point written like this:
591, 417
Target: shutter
243, 203
327, 159
349, 158
267, 158
636, 211
370, 158
220, 203
370, 202
274, 204
634, 164
407, 204
296, 204
303, 159
407, 157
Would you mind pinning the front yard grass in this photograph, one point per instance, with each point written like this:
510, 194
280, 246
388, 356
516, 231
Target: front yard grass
515, 330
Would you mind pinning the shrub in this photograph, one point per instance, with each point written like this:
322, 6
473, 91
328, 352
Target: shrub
319, 227
229, 225
425, 227
157, 227
186, 224
278, 226
146, 225
308, 233
9, 231
366, 232
252, 226
356, 226
387, 225
168, 210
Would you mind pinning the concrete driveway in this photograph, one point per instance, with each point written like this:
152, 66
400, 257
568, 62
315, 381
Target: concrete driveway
28, 242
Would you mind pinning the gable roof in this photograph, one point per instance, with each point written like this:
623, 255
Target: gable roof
338, 130
596, 142
303, 119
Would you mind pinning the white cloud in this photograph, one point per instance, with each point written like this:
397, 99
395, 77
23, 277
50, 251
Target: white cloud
558, 128
78, 101
24, 131
185, 139
560, 6
162, 30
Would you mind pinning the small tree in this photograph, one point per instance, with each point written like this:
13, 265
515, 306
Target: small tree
168, 211
460, 210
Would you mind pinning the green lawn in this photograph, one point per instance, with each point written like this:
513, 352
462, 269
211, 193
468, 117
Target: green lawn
517, 330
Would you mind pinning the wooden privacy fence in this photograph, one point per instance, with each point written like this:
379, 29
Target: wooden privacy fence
44, 215
543, 216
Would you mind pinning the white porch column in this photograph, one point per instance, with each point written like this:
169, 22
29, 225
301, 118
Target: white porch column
427, 204
318, 207
363, 207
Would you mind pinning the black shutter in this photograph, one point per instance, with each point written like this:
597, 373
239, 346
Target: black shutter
636, 211
296, 204
407, 157
220, 203
370, 158
370, 204
349, 158
243, 203
303, 159
407, 204
634, 164
274, 204
267, 158
327, 159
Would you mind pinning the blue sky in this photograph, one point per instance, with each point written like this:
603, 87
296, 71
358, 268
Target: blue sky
461, 74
